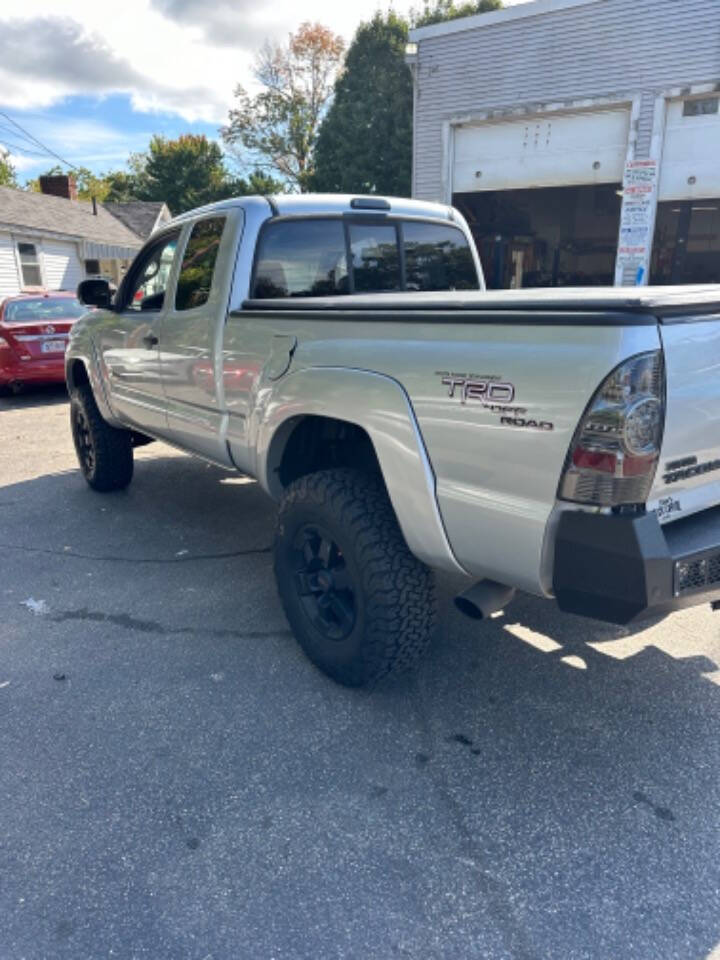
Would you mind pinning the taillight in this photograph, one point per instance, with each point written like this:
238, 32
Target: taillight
615, 450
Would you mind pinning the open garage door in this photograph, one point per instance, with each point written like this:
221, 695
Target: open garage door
566, 149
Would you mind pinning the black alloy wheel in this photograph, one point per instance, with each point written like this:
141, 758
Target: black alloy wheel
83, 441
323, 582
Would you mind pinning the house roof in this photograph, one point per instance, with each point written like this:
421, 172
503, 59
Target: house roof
101, 235
141, 216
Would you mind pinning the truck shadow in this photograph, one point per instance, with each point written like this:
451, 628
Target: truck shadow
542, 782
33, 396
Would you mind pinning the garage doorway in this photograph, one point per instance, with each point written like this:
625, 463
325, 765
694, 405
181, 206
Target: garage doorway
546, 237
686, 248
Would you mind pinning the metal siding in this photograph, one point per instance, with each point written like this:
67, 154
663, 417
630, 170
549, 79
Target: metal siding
9, 282
62, 268
614, 49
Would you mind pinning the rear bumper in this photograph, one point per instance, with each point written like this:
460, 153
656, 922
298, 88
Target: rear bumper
33, 371
622, 569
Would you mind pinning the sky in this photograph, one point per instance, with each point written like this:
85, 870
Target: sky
94, 79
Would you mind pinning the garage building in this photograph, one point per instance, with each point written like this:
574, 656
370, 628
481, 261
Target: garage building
580, 138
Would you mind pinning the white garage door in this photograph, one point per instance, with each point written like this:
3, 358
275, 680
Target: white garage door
691, 155
566, 149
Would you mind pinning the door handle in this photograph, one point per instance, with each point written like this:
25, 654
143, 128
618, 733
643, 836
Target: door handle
150, 340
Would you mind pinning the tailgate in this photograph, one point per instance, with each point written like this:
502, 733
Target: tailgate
688, 476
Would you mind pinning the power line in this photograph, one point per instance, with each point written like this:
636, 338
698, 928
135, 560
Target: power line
19, 148
38, 142
14, 133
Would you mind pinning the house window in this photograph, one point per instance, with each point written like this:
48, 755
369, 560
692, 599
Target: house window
701, 108
30, 265
92, 267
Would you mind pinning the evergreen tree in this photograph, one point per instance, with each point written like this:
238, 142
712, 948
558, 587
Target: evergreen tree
365, 141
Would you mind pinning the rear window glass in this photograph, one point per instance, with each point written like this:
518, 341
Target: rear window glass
375, 257
437, 258
307, 258
44, 308
198, 266
301, 258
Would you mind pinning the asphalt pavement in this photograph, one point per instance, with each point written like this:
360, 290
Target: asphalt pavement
178, 781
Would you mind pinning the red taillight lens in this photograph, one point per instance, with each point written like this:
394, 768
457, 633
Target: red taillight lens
615, 450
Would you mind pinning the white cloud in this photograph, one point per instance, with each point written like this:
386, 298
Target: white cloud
180, 56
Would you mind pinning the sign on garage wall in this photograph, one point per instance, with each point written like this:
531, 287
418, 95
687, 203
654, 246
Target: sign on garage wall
637, 222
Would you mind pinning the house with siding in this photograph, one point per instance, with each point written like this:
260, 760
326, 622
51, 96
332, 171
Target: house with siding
52, 240
580, 138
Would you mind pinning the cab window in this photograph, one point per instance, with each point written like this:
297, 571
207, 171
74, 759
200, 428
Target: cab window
309, 257
375, 257
198, 265
437, 257
301, 258
149, 276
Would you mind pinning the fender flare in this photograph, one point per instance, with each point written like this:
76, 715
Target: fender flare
84, 352
379, 405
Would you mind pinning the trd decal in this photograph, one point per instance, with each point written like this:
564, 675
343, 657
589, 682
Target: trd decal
467, 388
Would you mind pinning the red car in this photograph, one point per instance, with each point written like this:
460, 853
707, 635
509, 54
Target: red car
34, 332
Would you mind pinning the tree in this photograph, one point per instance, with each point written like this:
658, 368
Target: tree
280, 124
443, 10
365, 141
187, 172
8, 177
257, 184
88, 184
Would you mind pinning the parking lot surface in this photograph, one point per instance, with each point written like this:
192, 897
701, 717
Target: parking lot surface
177, 781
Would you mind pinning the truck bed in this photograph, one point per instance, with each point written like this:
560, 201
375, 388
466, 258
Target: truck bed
647, 304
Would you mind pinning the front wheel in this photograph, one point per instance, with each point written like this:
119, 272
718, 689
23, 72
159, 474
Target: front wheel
104, 453
358, 601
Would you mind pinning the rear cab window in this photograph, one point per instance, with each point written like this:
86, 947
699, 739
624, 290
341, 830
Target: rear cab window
437, 257
309, 257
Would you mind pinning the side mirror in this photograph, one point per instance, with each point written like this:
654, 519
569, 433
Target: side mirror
95, 293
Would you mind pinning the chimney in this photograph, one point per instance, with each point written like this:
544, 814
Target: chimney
59, 185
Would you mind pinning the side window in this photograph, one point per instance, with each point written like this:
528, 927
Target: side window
198, 265
301, 258
437, 257
30, 265
375, 257
150, 274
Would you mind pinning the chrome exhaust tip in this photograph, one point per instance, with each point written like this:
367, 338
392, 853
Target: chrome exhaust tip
484, 598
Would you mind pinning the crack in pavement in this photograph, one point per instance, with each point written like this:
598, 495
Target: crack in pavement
128, 622
185, 558
495, 891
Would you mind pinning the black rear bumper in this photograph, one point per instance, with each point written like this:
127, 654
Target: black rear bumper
627, 568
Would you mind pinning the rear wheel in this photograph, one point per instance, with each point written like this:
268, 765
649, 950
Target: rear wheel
360, 604
104, 452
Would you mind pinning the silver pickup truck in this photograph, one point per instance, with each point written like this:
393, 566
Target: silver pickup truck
344, 352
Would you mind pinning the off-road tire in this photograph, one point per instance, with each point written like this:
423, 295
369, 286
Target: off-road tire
392, 595
104, 453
